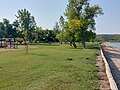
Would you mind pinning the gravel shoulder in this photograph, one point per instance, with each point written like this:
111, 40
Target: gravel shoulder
103, 80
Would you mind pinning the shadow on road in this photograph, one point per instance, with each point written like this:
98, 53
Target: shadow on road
114, 69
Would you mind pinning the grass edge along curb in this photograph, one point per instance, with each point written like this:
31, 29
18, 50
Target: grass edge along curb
111, 80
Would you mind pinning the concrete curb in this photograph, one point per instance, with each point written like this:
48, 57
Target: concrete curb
112, 82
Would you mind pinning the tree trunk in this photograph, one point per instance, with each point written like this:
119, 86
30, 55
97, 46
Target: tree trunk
26, 46
83, 42
70, 43
74, 45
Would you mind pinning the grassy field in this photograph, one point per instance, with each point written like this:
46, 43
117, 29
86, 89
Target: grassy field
49, 68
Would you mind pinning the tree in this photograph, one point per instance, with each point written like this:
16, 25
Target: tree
61, 37
37, 34
15, 25
8, 30
27, 25
50, 36
62, 23
56, 28
2, 33
81, 18
7, 27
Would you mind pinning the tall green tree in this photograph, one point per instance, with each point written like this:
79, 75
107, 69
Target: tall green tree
62, 24
7, 27
2, 33
15, 25
56, 28
8, 30
37, 34
81, 18
27, 25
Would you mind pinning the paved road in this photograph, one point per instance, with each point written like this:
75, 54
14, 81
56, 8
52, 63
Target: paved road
113, 57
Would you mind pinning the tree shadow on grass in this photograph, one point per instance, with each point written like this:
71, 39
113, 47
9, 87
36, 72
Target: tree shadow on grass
47, 44
94, 46
37, 54
80, 48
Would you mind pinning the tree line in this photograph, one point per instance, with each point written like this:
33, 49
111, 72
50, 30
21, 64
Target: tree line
25, 27
79, 25
108, 37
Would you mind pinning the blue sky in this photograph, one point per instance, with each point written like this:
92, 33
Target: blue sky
47, 12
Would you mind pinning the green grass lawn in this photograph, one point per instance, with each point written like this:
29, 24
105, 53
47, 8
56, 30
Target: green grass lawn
49, 68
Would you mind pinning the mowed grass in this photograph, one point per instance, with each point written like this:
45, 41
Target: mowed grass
49, 68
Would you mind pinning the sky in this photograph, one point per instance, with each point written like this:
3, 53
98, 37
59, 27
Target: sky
47, 12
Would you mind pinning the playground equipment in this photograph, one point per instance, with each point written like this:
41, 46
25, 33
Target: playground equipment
8, 43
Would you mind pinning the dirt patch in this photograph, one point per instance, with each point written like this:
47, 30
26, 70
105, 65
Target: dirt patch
19, 47
103, 80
